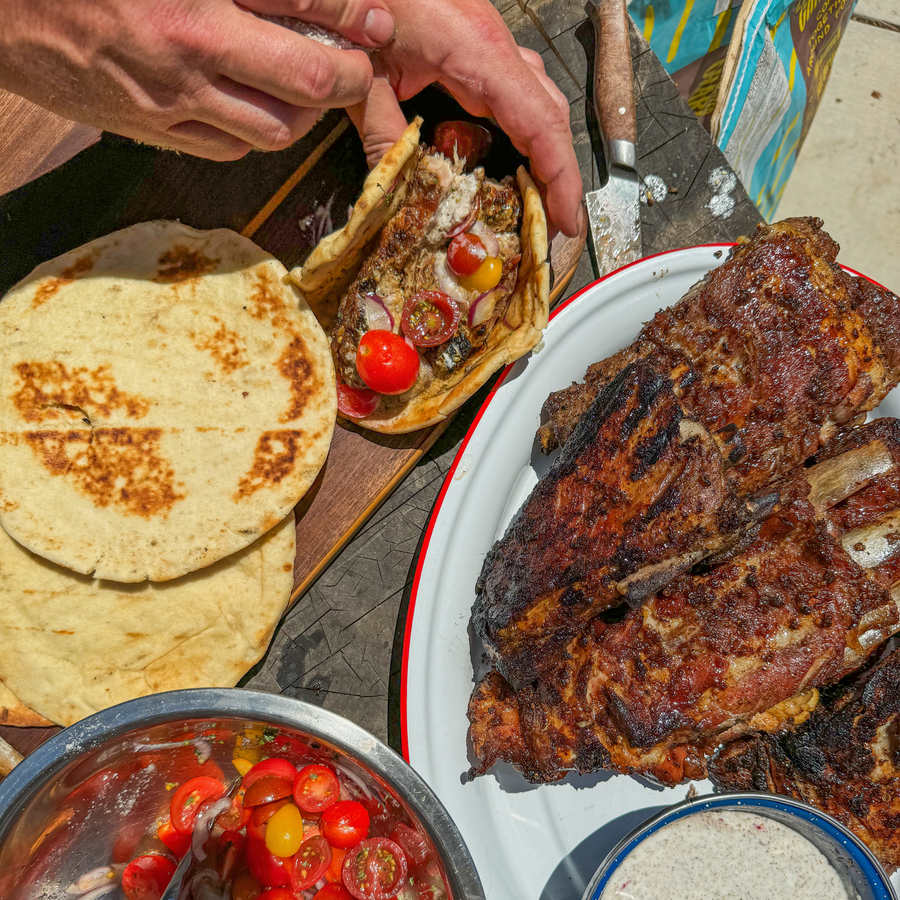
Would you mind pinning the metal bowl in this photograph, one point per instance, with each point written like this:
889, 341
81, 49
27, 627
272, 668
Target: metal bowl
89, 797
860, 872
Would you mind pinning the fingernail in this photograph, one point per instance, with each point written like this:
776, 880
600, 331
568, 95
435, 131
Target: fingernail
379, 26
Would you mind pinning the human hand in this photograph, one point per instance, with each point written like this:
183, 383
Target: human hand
465, 46
203, 76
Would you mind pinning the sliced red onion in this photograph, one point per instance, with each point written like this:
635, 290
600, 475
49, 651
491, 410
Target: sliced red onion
350, 776
204, 824
378, 316
101, 876
446, 282
490, 239
100, 892
205, 885
480, 311
202, 745
467, 223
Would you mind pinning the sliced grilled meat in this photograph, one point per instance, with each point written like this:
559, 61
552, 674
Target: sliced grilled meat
843, 760
771, 352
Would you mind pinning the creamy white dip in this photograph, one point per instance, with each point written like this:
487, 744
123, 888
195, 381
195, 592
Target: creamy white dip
725, 855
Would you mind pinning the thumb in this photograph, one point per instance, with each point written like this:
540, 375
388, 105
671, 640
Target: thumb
378, 119
365, 22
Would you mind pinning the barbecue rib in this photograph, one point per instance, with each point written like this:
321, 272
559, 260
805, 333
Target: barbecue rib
844, 760
741, 646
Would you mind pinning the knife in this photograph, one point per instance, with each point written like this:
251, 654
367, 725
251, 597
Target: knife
614, 211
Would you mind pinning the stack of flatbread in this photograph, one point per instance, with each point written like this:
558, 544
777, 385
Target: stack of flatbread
166, 398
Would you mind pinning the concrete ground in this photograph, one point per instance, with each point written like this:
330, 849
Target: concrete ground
848, 170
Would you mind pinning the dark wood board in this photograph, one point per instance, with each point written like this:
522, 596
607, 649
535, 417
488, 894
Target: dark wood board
340, 645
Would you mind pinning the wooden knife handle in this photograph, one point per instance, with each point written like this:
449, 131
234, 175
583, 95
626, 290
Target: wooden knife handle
613, 73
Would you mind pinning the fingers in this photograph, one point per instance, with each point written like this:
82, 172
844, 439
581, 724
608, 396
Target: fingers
537, 66
379, 120
207, 141
366, 22
296, 70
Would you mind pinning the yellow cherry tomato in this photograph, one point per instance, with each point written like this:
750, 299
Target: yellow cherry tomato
242, 765
284, 831
486, 277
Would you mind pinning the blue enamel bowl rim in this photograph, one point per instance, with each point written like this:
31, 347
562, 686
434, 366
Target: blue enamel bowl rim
871, 869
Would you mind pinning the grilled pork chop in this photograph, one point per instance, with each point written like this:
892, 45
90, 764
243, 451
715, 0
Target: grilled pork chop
844, 760
639, 488
772, 352
742, 645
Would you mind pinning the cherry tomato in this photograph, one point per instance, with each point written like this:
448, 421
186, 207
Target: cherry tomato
374, 869
280, 768
245, 887
284, 831
146, 877
310, 863
292, 749
413, 844
316, 788
267, 789
231, 847
337, 864
345, 824
429, 318
335, 891
175, 840
386, 363
466, 138
189, 797
236, 817
466, 253
279, 893
256, 827
269, 870
356, 403
486, 277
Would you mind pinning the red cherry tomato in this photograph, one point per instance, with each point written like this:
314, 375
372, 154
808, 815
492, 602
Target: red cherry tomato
236, 817
269, 870
280, 768
337, 864
334, 891
345, 824
466, 138
175, 840
466, 253
356, 403
189, 797
278, 893
413, 844
268, 789
256, 827
386, 363
429, 318
245, 887
310, 862
316, 788
374, 870
231, 848
292, 749
146, 877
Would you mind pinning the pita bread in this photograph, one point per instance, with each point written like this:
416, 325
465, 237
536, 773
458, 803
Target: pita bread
73, 645
166, 397
14, 712
335, 262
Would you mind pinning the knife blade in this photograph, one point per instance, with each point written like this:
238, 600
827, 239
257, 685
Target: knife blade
614, 211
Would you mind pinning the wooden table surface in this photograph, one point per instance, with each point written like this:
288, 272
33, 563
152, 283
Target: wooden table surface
340, 646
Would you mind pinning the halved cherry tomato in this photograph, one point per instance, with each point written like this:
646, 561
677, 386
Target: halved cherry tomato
429, 318
337, 864
256, 827
466, 253
236, 817
265, 867
486, 277
280, 768
292, 749
189, 797
334, 891
356, 403
310, 863
316, 788
231, 847
146, 877
375, 869
284, 831
413, 844
175, 840
245, 887
386, 363
345, 824
268, 789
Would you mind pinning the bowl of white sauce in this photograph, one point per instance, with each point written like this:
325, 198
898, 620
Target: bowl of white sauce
743, 846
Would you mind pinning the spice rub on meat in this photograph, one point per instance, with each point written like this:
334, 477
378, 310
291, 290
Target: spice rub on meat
741, 644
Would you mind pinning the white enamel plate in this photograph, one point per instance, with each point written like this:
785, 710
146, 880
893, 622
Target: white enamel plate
528, 842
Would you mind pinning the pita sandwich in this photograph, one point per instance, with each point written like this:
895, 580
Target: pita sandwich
393, 257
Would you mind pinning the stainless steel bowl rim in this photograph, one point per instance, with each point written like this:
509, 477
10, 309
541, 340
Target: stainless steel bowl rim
880, 883
207, 703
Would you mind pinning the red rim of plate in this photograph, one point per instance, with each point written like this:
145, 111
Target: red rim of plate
448, 479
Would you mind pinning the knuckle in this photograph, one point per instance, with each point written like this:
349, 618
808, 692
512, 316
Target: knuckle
279, 137
317, 77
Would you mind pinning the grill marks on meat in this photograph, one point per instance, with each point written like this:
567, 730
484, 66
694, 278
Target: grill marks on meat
844, 760
638, 494
740, 646
770, 352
